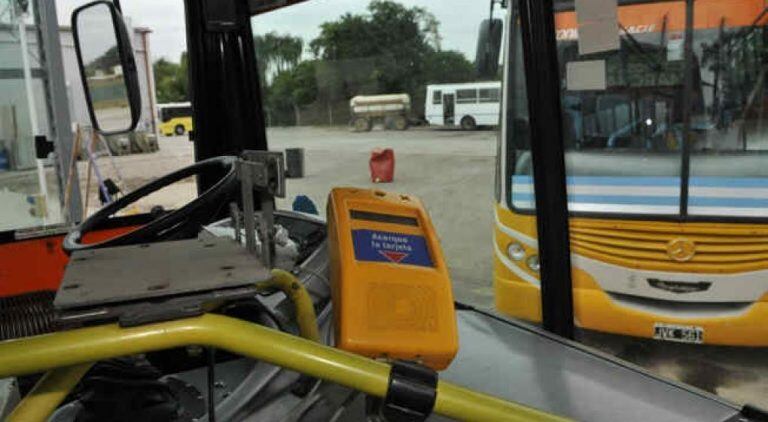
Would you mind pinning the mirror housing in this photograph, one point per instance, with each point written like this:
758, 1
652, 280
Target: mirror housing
489, 48
107, 67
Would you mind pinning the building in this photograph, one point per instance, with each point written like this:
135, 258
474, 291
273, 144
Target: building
16, 136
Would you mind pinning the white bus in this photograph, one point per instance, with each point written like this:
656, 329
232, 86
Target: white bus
468, 105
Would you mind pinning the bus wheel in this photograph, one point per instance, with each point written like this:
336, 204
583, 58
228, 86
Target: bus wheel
363, 125
179, 130
468, 123
401, 123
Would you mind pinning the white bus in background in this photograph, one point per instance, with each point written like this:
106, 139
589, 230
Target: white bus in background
467, 105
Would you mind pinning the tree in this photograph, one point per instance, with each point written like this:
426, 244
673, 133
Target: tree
395, 36
290, 90
171, 80
403, 44
104, 63
448, 67
277, 53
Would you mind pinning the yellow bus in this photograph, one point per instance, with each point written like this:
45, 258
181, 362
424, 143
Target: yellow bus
175, 118
668, 240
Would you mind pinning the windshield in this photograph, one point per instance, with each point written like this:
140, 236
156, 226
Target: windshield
343, 81
624, 132
665, 151
385, 95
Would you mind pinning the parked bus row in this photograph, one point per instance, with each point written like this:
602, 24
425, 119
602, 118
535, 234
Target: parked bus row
466, 105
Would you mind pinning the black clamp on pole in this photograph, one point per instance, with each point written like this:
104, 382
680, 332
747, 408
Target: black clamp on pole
411, 392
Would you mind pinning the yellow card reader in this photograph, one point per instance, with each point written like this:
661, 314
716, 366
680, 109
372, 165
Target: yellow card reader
390, 285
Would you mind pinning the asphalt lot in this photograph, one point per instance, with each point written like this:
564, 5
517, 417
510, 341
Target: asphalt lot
452, 172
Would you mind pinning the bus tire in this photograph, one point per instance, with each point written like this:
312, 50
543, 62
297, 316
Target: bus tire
468, 123
400, 123
179, 130
362, 124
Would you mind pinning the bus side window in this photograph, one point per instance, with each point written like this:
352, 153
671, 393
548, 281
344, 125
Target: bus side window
437, 97
490, 95
466, 96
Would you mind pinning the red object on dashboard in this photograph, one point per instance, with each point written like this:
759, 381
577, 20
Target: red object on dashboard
382, 164
38, 264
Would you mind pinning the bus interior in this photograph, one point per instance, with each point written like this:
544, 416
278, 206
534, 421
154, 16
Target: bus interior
643, 151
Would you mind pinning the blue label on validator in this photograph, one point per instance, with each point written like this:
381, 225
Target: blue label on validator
398, 248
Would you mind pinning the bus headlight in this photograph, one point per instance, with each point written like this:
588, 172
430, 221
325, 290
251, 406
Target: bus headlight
515, 251
533, 263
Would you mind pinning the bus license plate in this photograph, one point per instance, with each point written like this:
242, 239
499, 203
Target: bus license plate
678, 333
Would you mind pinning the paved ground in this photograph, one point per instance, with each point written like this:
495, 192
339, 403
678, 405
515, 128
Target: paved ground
452, 172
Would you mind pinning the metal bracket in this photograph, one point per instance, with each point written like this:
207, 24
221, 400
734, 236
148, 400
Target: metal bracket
43, 147
221, 16
263, 171
411, 392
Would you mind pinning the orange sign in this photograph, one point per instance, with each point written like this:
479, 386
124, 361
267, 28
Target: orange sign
649, 17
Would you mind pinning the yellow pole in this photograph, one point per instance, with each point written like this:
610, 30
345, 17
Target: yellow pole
54, 386
302, 302
45, 352
48, 393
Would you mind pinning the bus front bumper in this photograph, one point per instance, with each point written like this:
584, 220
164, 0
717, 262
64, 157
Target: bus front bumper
595, 310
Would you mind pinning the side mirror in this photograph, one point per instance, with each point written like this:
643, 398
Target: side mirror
488, 48
107, 67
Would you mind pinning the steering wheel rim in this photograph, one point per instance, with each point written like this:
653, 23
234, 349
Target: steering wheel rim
165, 225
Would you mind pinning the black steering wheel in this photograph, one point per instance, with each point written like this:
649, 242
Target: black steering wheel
170, 225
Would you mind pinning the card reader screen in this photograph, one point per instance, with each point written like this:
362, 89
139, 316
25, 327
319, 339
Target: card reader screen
397, 248
383, 218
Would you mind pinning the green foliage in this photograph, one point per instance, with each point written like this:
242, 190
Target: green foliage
104, 63
443, 67
171, 80
291, 89
393, 36
403, 45
287, 83
389, 49
276, 53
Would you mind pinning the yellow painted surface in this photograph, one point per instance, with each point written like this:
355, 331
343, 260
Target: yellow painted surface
168, 128
377, 304
720, 248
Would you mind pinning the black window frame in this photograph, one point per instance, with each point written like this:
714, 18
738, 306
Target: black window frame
437, 97
465, 100
493, 98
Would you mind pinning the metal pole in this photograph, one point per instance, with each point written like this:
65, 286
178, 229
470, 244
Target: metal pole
61, 123
150, 83
246, 186
31, 106
543, 85
685, 168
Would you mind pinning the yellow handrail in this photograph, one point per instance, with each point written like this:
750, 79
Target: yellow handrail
54, 386
48, 393
302, 302
49, 351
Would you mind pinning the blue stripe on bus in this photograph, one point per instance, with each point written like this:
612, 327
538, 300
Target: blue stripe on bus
703, 182
698, 201
609, 181
695, 201
729, 182
607, 199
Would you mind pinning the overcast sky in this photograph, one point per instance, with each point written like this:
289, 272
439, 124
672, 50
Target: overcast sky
459, 20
